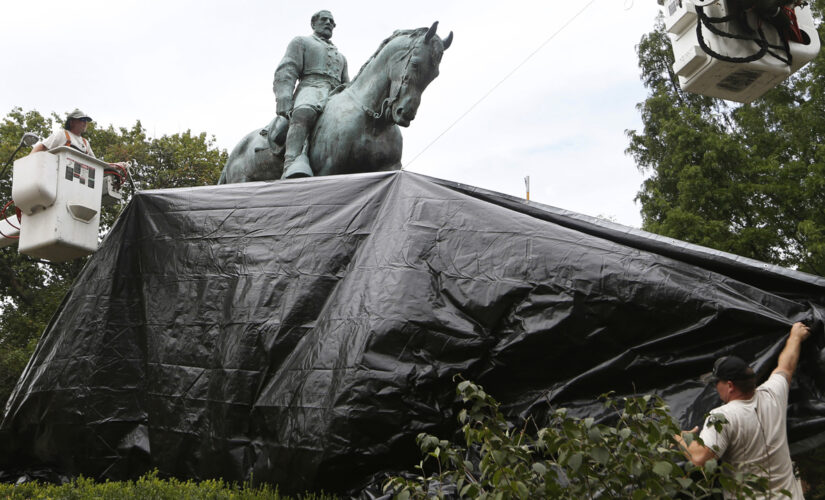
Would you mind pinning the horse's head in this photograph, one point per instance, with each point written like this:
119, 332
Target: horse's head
411, 70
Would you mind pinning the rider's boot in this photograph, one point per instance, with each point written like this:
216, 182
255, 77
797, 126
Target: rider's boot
296, 164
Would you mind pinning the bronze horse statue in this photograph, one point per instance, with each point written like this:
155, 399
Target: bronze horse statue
358, 128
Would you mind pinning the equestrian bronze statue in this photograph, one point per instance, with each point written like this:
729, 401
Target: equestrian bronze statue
350, 127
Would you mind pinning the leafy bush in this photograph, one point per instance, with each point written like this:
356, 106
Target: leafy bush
570, 458
147, 487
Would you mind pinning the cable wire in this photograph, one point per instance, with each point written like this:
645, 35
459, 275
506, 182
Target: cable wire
506, 77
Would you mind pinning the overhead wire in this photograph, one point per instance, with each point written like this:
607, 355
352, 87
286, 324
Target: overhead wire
497, 85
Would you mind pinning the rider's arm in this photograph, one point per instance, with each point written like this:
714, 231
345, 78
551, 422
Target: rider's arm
287, 74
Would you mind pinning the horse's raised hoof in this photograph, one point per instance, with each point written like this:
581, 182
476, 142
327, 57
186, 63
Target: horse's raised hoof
298, 168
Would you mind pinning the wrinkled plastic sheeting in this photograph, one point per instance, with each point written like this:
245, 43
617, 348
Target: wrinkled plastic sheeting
304, 332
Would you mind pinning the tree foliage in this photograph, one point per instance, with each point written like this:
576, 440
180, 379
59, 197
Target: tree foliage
31, 289
747, 179
570, 458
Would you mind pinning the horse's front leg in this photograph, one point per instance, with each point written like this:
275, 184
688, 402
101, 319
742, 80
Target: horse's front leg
389, 148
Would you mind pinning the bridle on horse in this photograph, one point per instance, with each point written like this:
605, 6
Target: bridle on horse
405, 77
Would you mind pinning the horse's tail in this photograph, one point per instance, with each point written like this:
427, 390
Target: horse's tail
222, 179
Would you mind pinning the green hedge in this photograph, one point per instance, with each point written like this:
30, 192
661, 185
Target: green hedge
147, 487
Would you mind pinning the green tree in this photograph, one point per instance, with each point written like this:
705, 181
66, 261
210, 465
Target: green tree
747, 179
31, 289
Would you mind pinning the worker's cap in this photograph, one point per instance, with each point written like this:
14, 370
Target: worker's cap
730, 368
78, 115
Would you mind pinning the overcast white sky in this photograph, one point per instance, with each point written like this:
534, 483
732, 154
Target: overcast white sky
207, 66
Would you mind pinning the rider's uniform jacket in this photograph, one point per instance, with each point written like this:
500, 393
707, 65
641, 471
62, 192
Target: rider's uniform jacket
313, 60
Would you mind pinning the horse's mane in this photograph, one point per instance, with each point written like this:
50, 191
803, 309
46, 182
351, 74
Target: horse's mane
412, 33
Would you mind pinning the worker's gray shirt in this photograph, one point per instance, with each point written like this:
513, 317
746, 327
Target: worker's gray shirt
309, 56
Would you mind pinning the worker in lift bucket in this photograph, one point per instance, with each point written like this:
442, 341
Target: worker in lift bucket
71, 135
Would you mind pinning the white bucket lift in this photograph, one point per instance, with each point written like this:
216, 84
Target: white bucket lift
711, 62
59, 194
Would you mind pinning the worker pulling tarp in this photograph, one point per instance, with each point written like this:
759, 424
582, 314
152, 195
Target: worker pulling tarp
304, 332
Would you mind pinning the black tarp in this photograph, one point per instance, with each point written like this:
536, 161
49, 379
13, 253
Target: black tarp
303, 332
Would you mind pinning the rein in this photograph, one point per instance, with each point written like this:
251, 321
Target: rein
372, 114
386, 103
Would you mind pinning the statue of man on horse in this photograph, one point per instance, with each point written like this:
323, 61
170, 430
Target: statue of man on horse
315, 63
329, 125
